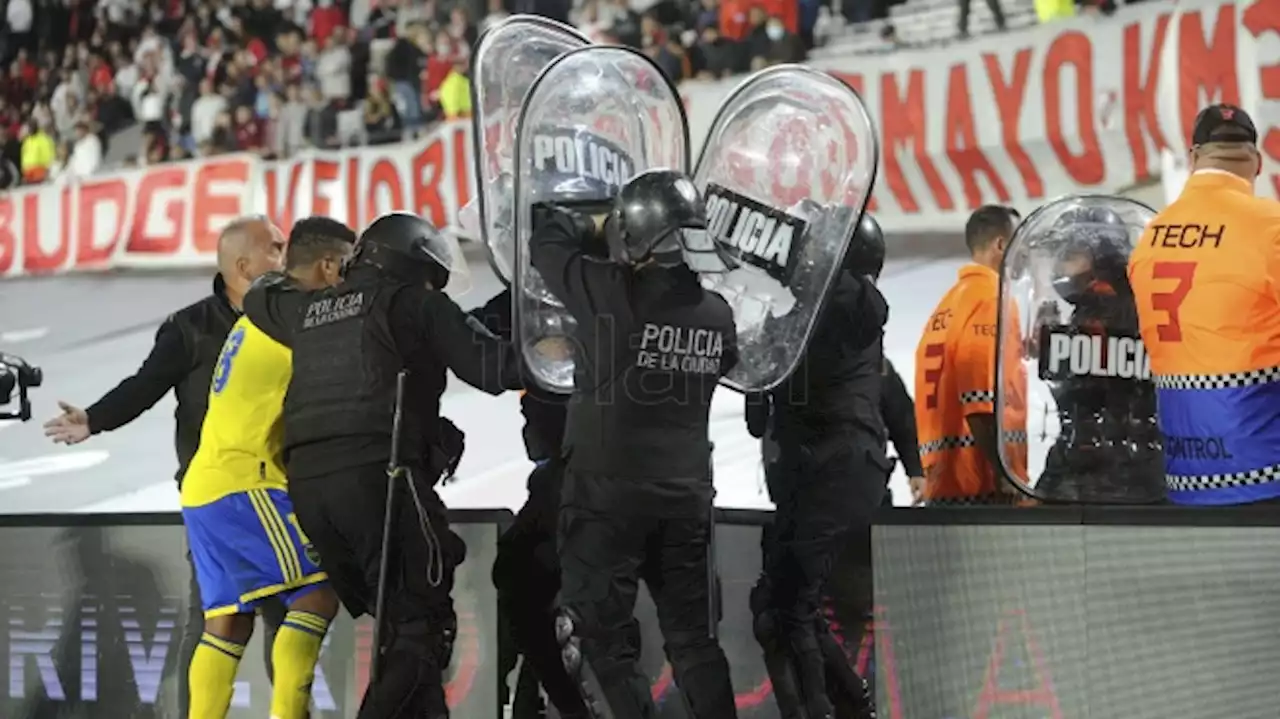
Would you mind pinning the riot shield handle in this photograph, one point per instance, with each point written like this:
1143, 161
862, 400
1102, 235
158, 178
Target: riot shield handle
586, 207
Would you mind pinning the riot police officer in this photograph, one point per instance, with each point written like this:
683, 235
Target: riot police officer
349, 345
652, 345
826, 477
526, 572
849, 597
1108, 446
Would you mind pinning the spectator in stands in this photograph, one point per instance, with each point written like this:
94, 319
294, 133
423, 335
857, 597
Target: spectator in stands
10, 157
624, 23
406, 67
381, 121
126, 73
592, 23
38, 153
462, 31
758, 42
322, 120
248, 131
223, 138
112, 112
382, 21
291, 123
439, 65
155, 148
205, 111
192, 61
455, 92
713, 55
705, 14
179, 65
65, 105
411, 11
289, 47
333, 69
784, 45
672, 58
59, 171
19, 16
810, 12
996, 12
652, 34
361, 65
150, 104
497, 12
86, 152
326, 20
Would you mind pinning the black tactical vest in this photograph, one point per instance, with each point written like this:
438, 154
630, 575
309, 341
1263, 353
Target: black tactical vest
345, 364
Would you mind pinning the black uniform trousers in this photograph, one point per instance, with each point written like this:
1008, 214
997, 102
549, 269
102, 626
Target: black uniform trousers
850, 594
526, 574
824, 492
342, 514
603, 555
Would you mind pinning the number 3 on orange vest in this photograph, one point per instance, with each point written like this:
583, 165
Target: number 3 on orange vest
933, 374
1170, 302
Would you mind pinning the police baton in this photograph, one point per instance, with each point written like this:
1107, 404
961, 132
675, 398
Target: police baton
394, 473
713, 576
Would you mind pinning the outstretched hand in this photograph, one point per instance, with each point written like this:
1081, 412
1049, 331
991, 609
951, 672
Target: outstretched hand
70, 427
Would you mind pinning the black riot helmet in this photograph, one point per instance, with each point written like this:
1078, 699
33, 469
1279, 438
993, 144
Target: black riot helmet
648, 215
866, 250
1094, 249
406, 247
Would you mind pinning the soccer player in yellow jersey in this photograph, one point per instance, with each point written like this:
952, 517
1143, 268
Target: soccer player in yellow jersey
244, 538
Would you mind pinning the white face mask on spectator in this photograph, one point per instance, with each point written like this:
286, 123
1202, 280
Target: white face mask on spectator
775, 31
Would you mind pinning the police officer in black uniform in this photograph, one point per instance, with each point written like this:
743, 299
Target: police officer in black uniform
826, 476
349, 344
526, 572
1108, 446
849, 592
637, 490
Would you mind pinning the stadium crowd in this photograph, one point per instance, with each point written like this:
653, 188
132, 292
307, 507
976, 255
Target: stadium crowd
203, 77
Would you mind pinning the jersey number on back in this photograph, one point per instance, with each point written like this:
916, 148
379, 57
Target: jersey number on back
933, 374
222, 372
1171, 302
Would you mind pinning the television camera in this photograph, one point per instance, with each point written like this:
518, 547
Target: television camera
17, 373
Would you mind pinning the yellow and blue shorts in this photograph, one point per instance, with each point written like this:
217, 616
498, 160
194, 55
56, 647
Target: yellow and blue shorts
247, 547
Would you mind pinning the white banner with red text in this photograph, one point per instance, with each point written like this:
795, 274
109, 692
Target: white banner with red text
169, 216
1084, 105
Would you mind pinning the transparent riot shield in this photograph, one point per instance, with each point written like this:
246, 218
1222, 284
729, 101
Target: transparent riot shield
786, 172
1074, 396
595, 117
506, 61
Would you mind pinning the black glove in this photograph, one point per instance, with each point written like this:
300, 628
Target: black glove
580, 215
448, 452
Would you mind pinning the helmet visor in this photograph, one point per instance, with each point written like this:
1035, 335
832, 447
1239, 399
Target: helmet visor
448, 254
